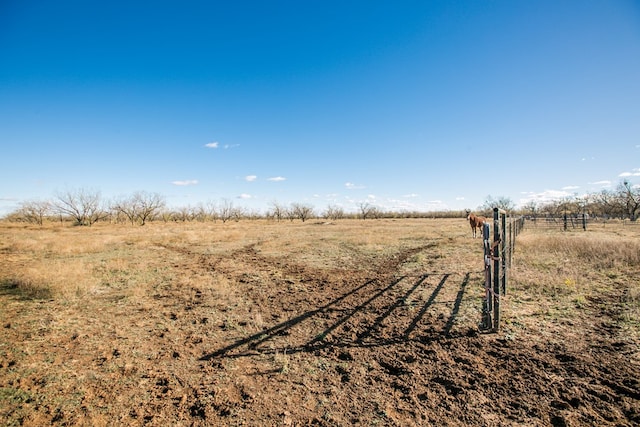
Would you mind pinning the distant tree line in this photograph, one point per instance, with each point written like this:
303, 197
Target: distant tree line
85, 207
620, 203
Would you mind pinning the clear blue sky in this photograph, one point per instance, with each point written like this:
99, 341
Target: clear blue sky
418, 105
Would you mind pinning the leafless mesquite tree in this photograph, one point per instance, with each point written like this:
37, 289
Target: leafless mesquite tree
140, 207
501, 202
367, 210
83, 205
227, 211
208, 211
302, 211
34, 211
149, 204
334, 212
631, 198
277, 211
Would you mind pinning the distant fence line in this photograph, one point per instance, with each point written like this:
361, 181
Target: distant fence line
498, 253
575, 222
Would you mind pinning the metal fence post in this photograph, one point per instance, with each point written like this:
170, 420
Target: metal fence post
496, 269
504, 252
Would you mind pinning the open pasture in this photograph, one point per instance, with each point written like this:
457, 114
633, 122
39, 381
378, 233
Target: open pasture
347, 322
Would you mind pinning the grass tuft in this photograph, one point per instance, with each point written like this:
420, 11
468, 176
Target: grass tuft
25, 289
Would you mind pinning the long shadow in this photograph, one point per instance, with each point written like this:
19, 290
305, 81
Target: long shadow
425, 307
353, 311
320, 342
400, 301
262, 336
456, 305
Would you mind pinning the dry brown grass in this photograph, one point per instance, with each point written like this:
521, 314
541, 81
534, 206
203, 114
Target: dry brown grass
555, 274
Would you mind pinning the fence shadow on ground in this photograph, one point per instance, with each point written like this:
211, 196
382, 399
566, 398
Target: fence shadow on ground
368, 335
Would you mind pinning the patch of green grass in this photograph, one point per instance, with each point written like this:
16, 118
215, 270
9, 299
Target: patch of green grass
14, 396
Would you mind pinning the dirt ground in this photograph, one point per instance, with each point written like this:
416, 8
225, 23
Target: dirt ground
323, 323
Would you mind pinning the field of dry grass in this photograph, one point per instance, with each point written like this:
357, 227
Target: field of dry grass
318, 323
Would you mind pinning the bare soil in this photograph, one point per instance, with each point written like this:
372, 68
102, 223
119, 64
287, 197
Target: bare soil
317, 323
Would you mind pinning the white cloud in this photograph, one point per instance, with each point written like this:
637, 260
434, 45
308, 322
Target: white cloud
411, 196
245, 196
403, 204
635, 172
459, 198
602, 183
352, 186
570, 187
544, 197
185, 182
216, 144
277, 179
250, 178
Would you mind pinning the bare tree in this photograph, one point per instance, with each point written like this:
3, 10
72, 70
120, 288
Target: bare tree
301, 211
367, 210
290, 214
149, 204
630, 198
252, 214
277, 211
334, 212
531, 208
82, 205
226, 211
126, 207
610, 204
34, 211
183, 213
501, 202
140, 207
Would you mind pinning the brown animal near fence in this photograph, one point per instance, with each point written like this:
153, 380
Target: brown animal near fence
476, 222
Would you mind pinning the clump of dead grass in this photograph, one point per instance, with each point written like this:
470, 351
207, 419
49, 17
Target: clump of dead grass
48, 278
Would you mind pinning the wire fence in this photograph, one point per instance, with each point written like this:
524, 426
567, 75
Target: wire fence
581, 222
